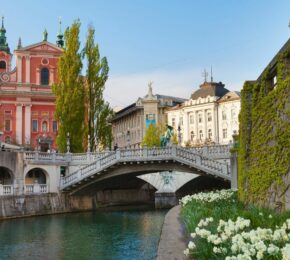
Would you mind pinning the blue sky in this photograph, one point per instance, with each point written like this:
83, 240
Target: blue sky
169, 42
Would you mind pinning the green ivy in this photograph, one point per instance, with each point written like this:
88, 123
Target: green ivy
264, 152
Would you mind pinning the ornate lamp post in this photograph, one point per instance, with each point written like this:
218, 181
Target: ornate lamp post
179, 135
67, 143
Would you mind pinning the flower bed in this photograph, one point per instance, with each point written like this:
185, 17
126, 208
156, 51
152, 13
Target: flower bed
221, 227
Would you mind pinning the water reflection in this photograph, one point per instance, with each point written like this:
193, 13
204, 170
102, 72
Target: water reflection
99, 235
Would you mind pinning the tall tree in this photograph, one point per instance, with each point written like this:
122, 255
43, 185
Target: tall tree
70, 93
97, 110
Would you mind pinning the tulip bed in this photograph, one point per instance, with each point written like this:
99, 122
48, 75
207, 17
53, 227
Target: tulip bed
222, 227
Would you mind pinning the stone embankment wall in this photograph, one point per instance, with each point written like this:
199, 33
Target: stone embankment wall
54, 203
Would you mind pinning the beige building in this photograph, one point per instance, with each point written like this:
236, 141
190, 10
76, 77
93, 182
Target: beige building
210, 115
129, 124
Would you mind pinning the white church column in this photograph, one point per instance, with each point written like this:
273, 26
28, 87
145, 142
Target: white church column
27, 68
27, 124
19, 69
19, 123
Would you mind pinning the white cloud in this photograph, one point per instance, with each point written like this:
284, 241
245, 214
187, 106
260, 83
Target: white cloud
125, 89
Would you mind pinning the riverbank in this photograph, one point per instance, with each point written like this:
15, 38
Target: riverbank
173, 239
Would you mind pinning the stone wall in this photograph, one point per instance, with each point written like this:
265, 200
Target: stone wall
54, 203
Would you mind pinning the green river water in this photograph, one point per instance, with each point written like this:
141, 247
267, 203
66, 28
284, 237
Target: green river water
129, 234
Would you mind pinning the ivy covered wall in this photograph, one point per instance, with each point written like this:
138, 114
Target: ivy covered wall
264, 152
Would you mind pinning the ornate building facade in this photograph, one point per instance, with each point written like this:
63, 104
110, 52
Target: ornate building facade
27, 104
130, 123
210, 116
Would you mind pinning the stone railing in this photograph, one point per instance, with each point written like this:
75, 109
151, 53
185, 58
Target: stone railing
214, 151
186, 156
6, 190
36, 188
74, 158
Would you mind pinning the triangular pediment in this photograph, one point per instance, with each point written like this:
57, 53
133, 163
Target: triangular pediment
43, 46
231, 95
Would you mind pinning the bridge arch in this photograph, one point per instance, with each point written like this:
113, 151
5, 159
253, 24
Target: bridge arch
202, 183
6, 176
37, 175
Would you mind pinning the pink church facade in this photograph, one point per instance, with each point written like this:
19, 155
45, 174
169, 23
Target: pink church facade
27, 104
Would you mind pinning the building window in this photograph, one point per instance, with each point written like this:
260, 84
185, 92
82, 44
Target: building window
7, 139
2, 64
34, 125
44, 126
224, 115
200, 135
44, 76
54, 126
173, 122
233, 113
181, 121
209, 117
225, 134
7, 125
191, 135
209, 134
191, 119
200, 118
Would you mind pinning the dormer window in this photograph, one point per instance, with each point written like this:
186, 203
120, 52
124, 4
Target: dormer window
2, 64
44, 76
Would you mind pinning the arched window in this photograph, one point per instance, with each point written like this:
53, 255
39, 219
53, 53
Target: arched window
44, 76
191, 135
2, 64
44, 126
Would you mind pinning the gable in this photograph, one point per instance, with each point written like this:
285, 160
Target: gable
41, 47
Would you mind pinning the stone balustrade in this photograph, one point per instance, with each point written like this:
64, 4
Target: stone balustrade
6, 190
73, 158
36, 188
190, 157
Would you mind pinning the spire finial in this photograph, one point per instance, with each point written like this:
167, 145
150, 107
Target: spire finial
59, 41
211, 77
2, 21
205, 74
19, 45
59, 21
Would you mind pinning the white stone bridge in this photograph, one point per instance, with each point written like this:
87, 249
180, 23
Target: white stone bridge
201, 161
36, 173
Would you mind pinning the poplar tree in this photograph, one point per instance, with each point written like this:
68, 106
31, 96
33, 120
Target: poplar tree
70, 94
98, 111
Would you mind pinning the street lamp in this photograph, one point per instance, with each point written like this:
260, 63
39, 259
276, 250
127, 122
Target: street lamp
179, 135
67, 143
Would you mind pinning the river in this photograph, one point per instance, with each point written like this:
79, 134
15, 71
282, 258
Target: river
128, 235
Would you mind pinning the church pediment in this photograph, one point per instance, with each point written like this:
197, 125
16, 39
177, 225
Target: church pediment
41, 47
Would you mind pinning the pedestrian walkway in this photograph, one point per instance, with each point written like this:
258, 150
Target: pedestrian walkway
173, 237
